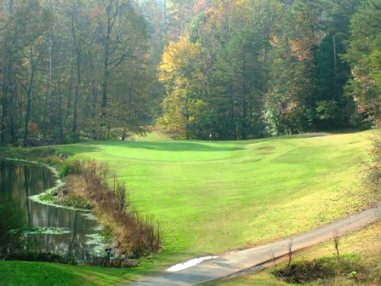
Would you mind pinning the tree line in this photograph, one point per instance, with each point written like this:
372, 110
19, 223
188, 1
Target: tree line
253, 68
238, 69
72, 69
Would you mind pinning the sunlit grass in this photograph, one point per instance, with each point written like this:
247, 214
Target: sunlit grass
14, 273
210, 197
364, 244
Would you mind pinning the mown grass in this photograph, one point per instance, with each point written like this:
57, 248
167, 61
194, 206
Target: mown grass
210, 197
25, 273
14, 273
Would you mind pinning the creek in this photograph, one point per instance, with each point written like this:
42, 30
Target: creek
53, 229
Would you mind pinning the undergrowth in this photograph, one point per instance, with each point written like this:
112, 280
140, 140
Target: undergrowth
348, 269
135, 236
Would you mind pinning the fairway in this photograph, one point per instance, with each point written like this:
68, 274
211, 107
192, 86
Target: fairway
210, 197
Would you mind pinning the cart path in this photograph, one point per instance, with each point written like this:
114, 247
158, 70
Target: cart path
233, 262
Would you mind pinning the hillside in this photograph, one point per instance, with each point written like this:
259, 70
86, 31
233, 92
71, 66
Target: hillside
212, 197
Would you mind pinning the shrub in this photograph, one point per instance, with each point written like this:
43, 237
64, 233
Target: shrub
72, 200
347, 268
135, 236
70, 168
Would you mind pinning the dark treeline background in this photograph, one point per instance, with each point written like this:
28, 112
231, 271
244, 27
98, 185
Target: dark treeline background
72, 68
235, 69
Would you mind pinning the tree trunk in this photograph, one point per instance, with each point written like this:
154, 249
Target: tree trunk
187, 117
76, 98
28, 107
7, 121
4, 117
60, 119
70, 95
165, 21
27, 117
12, 111
105, 78
77, 49
232, 131
7, 69
10, 7
334, 55
244, 106
48, 94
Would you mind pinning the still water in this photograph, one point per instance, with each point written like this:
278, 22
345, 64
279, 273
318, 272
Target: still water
19, 181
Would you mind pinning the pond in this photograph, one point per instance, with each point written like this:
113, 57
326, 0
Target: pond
79, 231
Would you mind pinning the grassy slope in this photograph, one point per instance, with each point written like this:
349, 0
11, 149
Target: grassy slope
212, 197
365, 244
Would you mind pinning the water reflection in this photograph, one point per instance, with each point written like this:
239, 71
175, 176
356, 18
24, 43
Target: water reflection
18, 181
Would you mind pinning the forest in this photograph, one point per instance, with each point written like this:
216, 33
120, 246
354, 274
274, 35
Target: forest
241, 69
148, 158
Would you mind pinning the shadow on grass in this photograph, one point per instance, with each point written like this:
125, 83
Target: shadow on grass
70, 150
177, 146
184, 146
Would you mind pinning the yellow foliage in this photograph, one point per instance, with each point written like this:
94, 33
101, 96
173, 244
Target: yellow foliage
178, 58
181, 71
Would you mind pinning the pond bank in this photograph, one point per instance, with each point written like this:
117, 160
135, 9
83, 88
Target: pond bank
50, 228
80, 188
134, 236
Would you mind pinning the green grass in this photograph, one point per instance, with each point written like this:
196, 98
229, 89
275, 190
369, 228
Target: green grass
17, 273
260, 279
14, 273
213, 197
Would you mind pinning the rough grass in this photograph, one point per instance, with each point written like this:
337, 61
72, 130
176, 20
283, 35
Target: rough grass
362, 249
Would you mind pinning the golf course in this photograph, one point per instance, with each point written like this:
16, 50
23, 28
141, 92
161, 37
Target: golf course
190, 142
212, 197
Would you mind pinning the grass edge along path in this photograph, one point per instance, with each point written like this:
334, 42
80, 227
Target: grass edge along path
237, 261
362, 248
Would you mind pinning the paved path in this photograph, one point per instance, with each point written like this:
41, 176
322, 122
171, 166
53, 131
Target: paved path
236, 261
